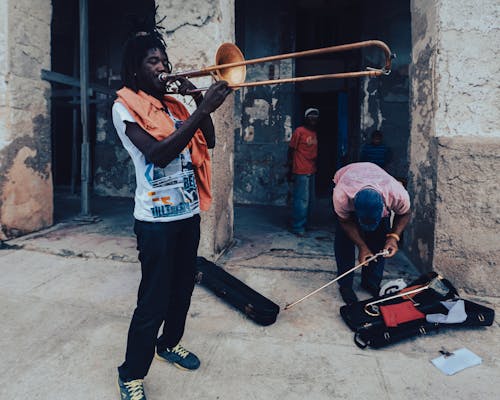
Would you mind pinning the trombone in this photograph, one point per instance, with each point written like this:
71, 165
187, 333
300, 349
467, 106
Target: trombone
230, 65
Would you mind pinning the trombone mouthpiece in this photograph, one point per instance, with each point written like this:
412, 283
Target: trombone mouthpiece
163, 77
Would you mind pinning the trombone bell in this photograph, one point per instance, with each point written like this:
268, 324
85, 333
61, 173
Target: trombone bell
229, 53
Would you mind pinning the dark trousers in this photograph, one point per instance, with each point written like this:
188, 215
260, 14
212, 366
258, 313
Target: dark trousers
167, 252
345, 257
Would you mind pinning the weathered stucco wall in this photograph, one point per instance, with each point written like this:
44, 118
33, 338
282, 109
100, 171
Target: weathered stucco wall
422, 147
455, 141
467, 66
468, 126
467, 245
25, 151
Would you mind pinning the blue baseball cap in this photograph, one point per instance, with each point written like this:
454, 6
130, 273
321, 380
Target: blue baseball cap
369, 206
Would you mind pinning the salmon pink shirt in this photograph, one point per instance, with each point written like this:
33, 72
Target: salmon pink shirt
350, 179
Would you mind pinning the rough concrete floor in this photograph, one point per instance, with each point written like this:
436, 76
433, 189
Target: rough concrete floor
67, 295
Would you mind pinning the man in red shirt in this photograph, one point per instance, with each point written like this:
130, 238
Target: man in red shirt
302, 153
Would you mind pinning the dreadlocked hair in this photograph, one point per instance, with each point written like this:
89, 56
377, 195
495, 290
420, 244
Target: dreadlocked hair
146, 36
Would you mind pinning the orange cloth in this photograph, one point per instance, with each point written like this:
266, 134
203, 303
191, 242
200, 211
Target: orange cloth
150, 115
305, 145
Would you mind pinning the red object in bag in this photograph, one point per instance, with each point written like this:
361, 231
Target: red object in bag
395, 314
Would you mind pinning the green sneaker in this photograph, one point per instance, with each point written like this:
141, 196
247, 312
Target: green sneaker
180, 357
131, 390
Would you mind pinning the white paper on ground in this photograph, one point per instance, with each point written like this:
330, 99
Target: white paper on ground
459, 360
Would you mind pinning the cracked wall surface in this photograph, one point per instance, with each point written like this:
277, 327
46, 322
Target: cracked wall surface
422, 148
467, 246
455, 139
25, 151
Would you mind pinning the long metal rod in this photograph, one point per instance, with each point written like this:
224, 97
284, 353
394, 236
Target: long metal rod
74, 126
84, 115
52, 76
431, 284
366, 262
340, 75
397, 296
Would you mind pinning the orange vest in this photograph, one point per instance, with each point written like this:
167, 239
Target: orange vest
149, 113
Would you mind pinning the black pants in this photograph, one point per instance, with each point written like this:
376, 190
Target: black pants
167, 252
344, 254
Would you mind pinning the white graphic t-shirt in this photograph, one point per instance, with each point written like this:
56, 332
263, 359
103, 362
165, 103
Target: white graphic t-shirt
162, 194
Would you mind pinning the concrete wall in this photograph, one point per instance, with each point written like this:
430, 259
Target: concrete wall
25, 152
467, 245
194, 31
422, 147
455, 141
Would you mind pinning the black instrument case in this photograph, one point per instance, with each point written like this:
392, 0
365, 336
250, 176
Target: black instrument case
233, 291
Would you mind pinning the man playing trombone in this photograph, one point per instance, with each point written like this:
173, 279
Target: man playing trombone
169, 149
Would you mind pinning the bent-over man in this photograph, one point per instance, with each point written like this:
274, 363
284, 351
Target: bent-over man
363, 198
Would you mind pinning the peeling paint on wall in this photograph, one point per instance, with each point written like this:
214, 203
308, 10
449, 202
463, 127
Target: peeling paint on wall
288, 128
24, 207
258, 111
25, 151
263, 114
423, 155
366, 117
249, 134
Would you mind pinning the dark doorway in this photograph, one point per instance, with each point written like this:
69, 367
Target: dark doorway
323, 24
108, 27
65, 107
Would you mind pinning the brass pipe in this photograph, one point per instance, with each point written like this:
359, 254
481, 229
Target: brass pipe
340, 75
221, 70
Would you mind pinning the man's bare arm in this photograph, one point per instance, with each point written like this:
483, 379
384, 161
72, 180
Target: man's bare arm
162, 152
398, 225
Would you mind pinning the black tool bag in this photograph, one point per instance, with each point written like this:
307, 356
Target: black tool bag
255, 306
372, 331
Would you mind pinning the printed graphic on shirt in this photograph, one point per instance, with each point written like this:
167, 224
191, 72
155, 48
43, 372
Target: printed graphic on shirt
173, 188
162, 194
311, 141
